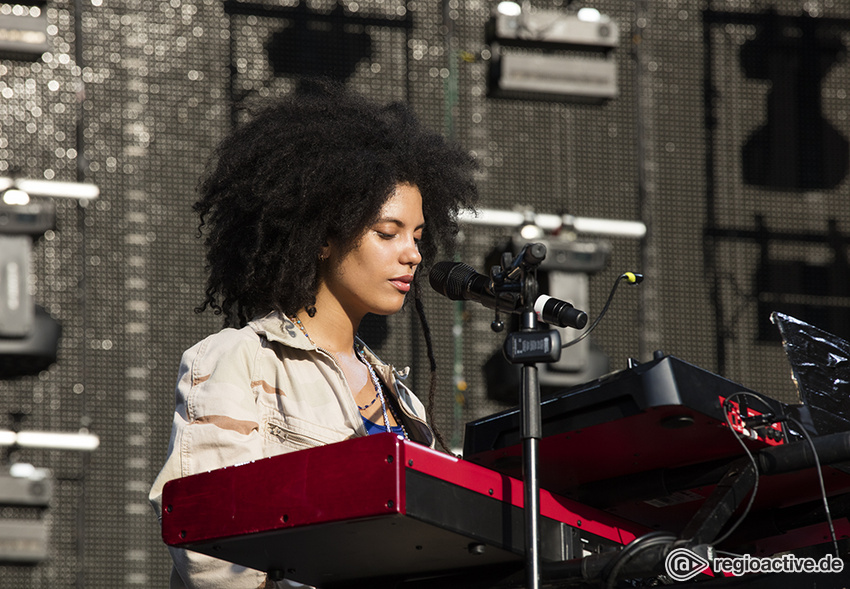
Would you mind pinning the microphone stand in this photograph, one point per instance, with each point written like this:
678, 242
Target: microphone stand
529, 346
531, 430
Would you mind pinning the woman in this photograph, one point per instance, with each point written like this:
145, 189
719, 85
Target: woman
320, 210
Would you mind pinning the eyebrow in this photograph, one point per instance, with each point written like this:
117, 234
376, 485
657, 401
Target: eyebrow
399, 223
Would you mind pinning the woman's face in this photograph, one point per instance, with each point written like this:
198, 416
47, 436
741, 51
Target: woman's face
375, 276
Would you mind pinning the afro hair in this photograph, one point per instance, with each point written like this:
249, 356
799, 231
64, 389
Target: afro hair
317, 164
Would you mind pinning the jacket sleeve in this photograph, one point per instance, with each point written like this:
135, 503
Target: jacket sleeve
216, 424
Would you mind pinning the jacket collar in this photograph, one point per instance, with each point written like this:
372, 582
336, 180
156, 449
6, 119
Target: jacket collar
280, 328
381, 367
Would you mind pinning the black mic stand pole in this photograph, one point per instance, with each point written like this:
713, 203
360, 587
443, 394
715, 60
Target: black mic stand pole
528, 346
531, 430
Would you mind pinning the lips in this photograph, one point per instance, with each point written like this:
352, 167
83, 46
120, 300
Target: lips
402, 283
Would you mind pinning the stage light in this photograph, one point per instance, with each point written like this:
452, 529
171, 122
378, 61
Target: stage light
22, 470
52, 188
83, 442
530, 231
24, 35
28, 334
589, 15
554, 223
14, 196
551, 54
509, 8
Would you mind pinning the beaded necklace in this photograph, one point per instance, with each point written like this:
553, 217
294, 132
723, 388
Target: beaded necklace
379, 394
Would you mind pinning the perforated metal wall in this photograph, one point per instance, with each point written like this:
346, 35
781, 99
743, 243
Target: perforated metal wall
137, 96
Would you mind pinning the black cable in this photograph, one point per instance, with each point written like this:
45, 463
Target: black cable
820, 480
818, 467
749, 506
631, 550
632, 278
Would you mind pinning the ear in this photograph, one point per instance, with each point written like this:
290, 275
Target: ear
325, 252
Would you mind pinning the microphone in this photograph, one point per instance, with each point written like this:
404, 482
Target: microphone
556, 312
458, 281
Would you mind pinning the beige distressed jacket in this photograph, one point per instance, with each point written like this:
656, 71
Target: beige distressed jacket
260, 391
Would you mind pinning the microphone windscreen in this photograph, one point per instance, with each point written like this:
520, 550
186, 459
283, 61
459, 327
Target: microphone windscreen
458, 281
439, 275
450, 279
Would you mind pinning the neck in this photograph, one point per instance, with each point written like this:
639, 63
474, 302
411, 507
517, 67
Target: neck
331, 328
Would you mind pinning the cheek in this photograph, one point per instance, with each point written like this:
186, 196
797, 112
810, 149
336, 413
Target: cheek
376, 253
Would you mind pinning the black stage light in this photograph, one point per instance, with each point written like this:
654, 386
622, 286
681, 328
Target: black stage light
29, 336
314, 44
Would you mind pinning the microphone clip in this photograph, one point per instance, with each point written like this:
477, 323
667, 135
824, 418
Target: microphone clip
508, 276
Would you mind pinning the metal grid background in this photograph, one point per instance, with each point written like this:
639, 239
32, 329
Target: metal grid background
150, 99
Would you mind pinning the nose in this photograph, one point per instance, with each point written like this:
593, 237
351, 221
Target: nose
410, 255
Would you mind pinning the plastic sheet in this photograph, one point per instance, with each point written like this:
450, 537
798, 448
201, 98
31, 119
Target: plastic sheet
820, 365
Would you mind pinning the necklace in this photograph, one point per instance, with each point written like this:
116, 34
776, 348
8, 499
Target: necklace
380, 395
378, 390
372, 402
303, 330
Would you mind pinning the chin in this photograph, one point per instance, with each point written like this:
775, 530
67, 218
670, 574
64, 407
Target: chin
388, 309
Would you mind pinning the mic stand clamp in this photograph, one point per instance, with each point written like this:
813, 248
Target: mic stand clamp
528, 346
